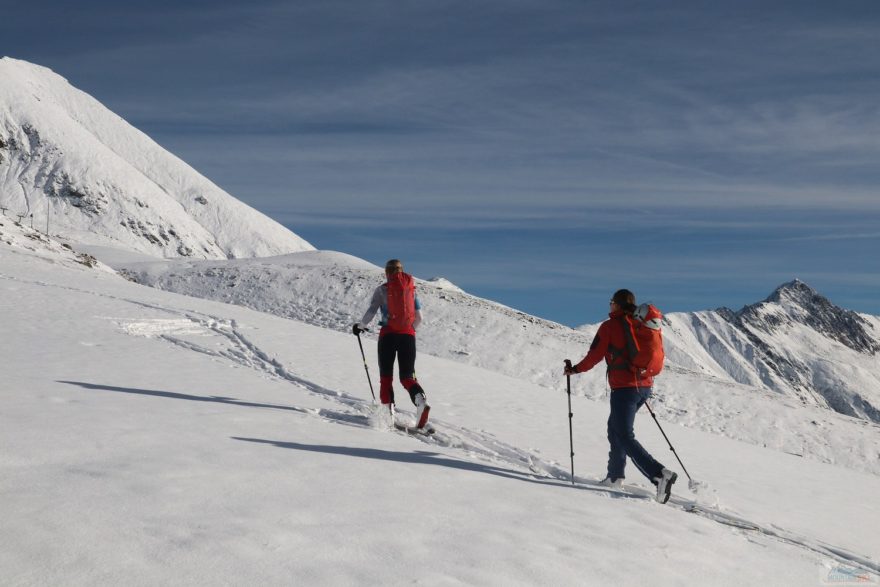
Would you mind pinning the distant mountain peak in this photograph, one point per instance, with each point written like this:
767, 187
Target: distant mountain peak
797, 302
796, 291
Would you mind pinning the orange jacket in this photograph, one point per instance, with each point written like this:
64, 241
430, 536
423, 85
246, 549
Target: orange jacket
611, 337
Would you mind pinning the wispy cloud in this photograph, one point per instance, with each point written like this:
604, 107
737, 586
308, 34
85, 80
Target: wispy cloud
518, 142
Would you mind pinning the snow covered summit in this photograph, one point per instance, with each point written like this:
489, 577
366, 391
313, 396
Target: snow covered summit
102, 181
796, 301
796, 343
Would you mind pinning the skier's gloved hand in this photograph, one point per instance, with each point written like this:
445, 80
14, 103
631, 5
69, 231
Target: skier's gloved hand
569, 369
356, 329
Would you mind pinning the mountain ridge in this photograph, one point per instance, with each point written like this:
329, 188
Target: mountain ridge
788, 342
802, 303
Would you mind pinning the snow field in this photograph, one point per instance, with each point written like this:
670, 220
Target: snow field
153, 438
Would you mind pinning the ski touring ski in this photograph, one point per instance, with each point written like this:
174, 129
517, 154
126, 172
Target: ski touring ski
410, 429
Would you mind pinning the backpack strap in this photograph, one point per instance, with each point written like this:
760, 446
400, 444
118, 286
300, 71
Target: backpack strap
631, 348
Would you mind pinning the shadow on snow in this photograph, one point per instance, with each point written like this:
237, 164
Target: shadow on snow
338, 416
418, 457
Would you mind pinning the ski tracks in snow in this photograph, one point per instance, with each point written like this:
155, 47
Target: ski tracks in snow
242, 351
188, 327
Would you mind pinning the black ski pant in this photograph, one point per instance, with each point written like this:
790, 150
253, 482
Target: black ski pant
402, 347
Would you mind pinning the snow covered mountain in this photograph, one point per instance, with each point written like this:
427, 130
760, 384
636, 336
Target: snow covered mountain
102, 181
796, 343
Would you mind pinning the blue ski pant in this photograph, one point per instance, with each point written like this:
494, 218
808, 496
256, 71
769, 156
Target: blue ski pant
625, 402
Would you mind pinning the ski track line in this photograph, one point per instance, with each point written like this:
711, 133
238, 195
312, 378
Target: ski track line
245, 353
819, 547
248, 354
476, 444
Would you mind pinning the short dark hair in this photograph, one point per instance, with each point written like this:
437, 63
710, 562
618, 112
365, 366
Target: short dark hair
625, 299
393, 266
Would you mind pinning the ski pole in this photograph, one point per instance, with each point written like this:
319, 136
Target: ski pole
570, 416
672, 448
367, 369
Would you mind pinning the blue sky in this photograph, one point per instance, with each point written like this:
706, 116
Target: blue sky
539, 153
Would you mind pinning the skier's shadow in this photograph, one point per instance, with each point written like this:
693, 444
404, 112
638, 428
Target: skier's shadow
231, 401
419, 457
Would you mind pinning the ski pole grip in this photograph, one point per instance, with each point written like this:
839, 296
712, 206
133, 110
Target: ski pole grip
568, 364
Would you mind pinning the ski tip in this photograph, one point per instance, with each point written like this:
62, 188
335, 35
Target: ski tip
427, 429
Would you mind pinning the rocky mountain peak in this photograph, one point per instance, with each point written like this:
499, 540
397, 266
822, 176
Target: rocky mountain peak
797, 302
797, 292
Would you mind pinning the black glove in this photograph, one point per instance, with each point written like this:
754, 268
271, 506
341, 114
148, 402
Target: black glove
356, 329
569, 368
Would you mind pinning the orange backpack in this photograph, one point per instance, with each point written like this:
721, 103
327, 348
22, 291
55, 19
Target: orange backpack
401, 302
643, 353
648, 359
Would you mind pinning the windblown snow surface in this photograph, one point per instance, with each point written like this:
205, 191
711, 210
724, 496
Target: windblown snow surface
153, 438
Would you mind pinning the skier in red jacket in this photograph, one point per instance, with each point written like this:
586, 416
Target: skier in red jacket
629, 391
401, 315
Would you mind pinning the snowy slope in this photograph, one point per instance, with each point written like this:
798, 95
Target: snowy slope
102, 181
42, 249
796, 343
699, 388
162, 439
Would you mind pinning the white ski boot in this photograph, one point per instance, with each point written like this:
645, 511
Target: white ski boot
612, 483
664, 485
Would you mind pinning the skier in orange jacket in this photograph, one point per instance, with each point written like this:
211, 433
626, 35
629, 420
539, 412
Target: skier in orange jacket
629, 391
